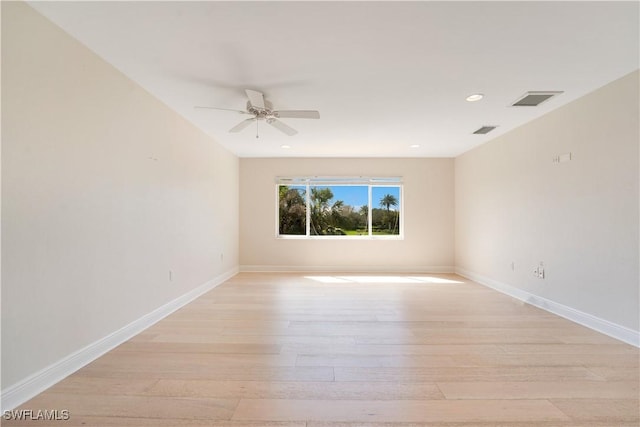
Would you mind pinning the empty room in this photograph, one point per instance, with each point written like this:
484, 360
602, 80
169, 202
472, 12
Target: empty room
320, 214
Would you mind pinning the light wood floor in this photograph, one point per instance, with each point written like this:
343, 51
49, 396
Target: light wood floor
289, 350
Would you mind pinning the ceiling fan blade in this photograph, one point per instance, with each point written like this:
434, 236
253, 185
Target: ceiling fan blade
225, 109
282, 127
243, 124
297, 114
255, 98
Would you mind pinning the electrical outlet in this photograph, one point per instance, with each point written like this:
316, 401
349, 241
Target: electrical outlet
565, 157
540, 270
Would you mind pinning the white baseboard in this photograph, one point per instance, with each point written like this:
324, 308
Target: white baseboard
606, 327
344, 269
36, 383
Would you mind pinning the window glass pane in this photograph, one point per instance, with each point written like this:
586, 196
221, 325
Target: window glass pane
292, 210
385, 204
339, 210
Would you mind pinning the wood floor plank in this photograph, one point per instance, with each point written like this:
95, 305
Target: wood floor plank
464, 373
326, 331
260, 373
613, 411
537, 423
103, 386
204, 338
194, 348
398, 410
146, 361
628, 361
567, 348
117, 421
393, 349
540, 390
493, 337
567, 333
106, 405
295, 390
616, 372
369, 361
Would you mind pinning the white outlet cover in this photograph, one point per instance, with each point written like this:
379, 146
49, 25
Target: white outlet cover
564, 157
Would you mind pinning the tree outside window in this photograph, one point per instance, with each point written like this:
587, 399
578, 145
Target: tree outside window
339, 210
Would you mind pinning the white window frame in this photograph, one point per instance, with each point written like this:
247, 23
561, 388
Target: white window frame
310, 181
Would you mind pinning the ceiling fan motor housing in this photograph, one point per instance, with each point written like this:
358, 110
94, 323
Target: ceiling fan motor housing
262, 113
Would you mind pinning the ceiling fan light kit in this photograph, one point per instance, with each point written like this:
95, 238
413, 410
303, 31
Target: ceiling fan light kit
262, 110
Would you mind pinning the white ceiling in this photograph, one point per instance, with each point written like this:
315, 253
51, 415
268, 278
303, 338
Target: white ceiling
384, 75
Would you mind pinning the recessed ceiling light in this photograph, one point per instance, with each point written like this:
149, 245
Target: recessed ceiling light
415, 146
475, 97
286, 147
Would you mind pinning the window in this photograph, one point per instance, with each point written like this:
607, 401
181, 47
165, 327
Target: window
292, 210
339, 207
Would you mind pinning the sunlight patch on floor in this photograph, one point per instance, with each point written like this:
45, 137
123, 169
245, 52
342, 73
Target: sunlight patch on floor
381, 279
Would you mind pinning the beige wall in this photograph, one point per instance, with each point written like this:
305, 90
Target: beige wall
513, 204
104, 190
428, 217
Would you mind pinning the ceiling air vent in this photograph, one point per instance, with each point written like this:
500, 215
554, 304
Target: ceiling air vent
484, 130
533, 99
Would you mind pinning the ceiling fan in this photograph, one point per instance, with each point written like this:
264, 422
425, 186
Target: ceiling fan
261, 109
